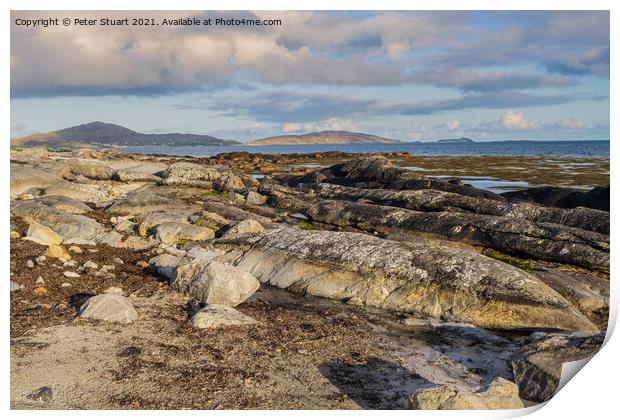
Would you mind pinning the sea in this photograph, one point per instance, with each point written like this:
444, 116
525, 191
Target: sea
580, 148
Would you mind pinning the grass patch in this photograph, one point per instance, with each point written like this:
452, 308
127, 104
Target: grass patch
306, 225
16, 149
285, 209
517, 262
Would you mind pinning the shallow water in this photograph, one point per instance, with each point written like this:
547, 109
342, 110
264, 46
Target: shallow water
492, 148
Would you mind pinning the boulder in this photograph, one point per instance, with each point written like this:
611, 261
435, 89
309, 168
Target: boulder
176, 232
417, 277
255, 199
41, 234
538, 240
596, 198
65, 204
229, 182
500, 394
58, 251
429, 200
110, 308
144, 202
217, 316
538, 365
214, 282
211, 220
248, 226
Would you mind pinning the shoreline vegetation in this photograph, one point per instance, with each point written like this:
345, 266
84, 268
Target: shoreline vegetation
313, 280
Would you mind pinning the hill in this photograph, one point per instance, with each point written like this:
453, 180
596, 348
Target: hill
103, 134
325, 137
459, 140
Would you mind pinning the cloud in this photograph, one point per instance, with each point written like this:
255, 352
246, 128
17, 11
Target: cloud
514, 120
329, 124
572, 123
453, 125
293, 107
444, 49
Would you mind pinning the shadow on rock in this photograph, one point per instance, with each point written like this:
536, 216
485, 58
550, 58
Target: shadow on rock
376, 384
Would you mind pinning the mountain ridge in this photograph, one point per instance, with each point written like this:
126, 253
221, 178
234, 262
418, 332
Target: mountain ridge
324, 137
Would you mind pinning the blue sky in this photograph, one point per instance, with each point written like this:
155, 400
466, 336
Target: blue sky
405, 75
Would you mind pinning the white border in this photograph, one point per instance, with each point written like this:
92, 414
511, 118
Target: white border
592, 395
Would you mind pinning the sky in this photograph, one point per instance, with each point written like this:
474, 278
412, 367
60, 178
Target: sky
412, 76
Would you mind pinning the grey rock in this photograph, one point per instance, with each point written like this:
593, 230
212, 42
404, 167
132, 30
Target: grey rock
414, 277
175, 232
215, 283
538, 365
248, 226
109, 307
217, 316
44, 394
255, 199
500, 394
15, 286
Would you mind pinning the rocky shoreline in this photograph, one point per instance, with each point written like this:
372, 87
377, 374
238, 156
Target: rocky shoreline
325, 280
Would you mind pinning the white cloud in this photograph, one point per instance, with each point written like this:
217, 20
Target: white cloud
514, 120
453, 125
329, 124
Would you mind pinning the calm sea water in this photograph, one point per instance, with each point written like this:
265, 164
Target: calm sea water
493, 148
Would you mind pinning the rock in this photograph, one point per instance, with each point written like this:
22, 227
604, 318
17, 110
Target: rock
75, 248
546, 241
248, 226
176, 232
41, 234
24, 196
255, 199
40, 260
118, 261
151, 220
538, 365
89, 265
144, 202
71, 274
66, 227
14, 234
211, 220
229, 182
58, 251
113, 291
44, 394
107, 267
500, 394
124, 226
65, 284
142, 264
588, 293
29, 264
429, 200
217, 316
109, 307
16, 286
416, 277
92, 171
166, 264
70, 263
215, 282
378, 172
191, 175
64, 204
236, 198
39, 280
129, 176
596, 198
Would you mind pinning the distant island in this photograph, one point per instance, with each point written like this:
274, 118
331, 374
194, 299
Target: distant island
104, 134
459, 140
325, 137
100, 134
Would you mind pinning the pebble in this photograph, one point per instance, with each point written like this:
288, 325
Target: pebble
40, 280
117, 260
70, 263
89, 265
70, 274
93, 250
113, 291
15, 286
41, 259
142, 264
40, 291
15, 234
65, 284
44, 393
30, 264
75, 248
107, 267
